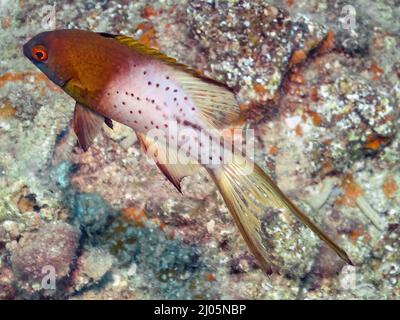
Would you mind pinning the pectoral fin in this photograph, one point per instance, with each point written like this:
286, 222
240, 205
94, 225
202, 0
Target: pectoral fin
170, 163
87, 125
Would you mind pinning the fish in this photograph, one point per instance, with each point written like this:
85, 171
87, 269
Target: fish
174, 110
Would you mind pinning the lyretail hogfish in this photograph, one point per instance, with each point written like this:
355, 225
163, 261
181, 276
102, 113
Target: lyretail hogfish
115, 78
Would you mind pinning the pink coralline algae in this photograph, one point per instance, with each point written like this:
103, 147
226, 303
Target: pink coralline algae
7, 290
52, 247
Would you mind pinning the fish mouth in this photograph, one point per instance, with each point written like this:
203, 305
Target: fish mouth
25, 50
63, 83
50, 72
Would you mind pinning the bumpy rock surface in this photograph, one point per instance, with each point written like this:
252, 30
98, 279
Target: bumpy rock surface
51, 249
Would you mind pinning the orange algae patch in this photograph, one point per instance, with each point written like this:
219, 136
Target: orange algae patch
376, 70
7, 111
373, 145
6, 22
259, 89
314, 94
26, 201
149, 36
298, 57
352, 191
297, 78
327, 168
316, 118
374, 142
244, 107
390, 188
138, 217
21, 76
148, 11
26, 204
329, 42
355, 234
12, 77
211, 277
299, 130
162, 226
273, 151
135, 215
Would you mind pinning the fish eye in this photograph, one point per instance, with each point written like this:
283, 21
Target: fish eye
39, 53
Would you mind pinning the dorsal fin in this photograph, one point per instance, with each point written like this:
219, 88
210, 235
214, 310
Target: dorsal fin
216, 101
139, 47
107, 35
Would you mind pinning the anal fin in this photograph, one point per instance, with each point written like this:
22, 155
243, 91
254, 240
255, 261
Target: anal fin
166, 161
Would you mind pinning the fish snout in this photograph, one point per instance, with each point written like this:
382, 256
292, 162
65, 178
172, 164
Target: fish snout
26, 49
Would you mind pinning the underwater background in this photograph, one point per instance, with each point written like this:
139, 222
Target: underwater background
318, 81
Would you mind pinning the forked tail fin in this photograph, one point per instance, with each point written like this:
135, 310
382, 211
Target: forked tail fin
248, 192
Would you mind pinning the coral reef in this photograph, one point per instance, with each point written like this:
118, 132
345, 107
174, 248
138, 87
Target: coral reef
323, 99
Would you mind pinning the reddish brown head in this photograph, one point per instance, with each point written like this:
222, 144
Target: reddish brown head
86, 59
49, 52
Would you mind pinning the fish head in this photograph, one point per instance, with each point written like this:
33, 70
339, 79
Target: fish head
79, 61
48, 51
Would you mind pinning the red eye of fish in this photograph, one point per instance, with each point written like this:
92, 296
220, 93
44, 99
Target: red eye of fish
39, 53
